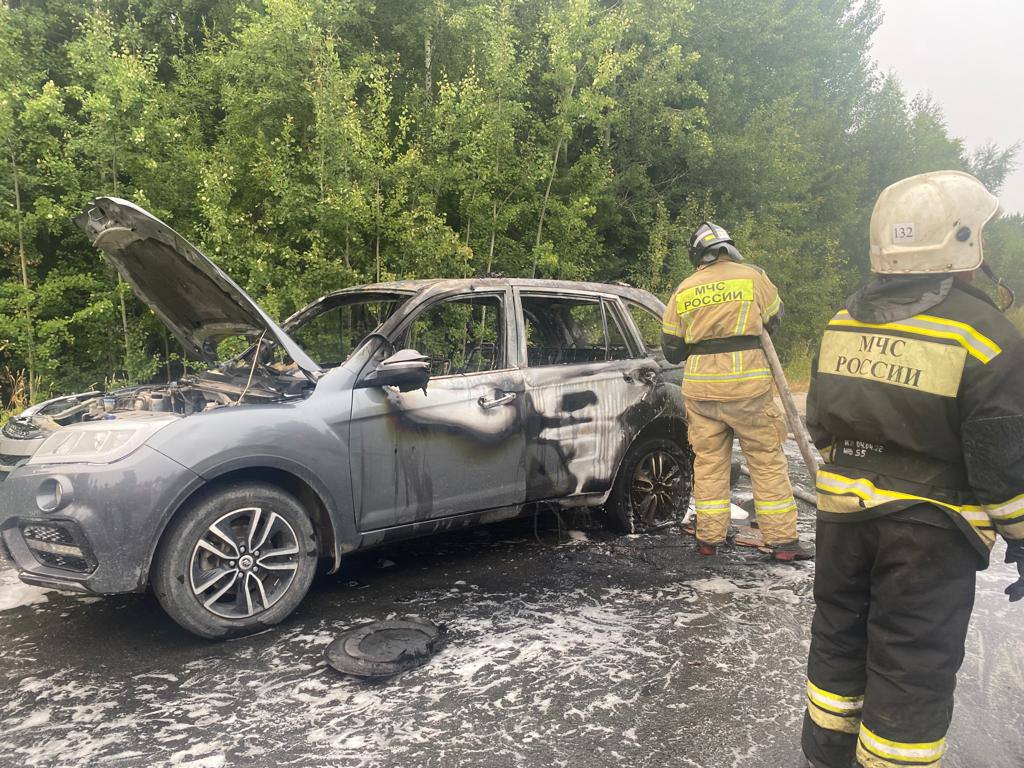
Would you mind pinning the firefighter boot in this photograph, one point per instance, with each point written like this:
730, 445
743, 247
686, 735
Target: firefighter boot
789, 551
708, 550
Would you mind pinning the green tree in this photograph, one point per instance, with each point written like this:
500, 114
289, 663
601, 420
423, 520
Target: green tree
309, 145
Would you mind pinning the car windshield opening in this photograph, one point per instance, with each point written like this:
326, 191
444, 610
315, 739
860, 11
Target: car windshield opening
331, 335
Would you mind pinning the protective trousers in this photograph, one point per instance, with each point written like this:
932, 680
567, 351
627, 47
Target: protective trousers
761, 430
893, 601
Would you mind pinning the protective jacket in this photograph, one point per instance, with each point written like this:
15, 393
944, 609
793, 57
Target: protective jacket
713, 321
917, 395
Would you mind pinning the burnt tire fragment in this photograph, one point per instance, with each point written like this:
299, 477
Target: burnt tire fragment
652, 488
382, 649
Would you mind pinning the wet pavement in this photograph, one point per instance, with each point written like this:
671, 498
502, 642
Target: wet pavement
567, 647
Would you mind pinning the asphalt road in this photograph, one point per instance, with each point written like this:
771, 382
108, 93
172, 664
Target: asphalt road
571, 649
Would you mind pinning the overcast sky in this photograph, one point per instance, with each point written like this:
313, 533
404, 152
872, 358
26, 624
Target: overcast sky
970, 56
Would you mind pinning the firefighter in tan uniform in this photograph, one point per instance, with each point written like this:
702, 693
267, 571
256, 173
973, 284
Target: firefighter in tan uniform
713, 321
917, 403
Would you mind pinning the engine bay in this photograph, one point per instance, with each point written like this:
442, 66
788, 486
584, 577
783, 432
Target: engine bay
216, 388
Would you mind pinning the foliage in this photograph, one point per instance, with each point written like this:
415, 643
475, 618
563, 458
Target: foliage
308, 145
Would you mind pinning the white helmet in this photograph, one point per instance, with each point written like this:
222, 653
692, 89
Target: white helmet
930, 223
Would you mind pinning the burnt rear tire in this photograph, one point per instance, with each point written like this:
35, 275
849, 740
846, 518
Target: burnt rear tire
653, 487
237, 560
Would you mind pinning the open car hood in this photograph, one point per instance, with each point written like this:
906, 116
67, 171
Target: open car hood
191, 295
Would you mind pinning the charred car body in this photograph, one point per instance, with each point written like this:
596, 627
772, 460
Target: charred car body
374, 414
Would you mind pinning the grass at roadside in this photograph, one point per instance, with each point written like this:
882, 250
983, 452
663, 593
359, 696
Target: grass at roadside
13, 393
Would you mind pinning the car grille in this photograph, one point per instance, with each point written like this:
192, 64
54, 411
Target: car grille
49, 533
67, 562
56, 545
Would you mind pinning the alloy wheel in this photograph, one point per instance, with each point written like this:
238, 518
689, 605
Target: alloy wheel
244, 562
656, 491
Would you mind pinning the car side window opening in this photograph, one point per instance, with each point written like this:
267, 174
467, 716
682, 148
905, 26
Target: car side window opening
649, 325
460, 336
567, 331
330, 337
618, 347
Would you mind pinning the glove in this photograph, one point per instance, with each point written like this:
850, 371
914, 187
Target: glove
1015, 554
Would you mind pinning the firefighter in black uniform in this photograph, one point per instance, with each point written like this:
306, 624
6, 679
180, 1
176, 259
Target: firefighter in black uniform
917, 404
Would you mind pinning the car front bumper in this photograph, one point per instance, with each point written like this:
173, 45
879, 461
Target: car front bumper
103, 525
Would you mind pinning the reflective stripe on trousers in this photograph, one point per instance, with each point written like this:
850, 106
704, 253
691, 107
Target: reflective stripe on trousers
833, 712
873, 751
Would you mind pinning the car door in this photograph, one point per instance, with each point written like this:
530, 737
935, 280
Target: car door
586, 376
459, 446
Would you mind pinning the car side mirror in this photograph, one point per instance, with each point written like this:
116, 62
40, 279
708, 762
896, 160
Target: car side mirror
407, 369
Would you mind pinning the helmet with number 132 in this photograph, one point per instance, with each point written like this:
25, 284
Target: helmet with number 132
931, 223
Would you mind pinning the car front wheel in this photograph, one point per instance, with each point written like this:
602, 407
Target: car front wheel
237, 560
653, 486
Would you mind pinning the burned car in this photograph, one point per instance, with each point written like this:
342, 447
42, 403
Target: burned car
374, 414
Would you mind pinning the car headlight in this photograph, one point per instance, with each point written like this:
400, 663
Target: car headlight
98, 442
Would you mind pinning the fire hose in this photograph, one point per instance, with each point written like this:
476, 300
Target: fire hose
796, 424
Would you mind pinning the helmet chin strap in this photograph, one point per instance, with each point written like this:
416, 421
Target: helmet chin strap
1006, 295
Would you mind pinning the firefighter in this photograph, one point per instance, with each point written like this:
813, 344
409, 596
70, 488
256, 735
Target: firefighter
713, 321
917, 403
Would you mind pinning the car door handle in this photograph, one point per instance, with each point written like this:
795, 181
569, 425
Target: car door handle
645, 375
649, 375
505, 399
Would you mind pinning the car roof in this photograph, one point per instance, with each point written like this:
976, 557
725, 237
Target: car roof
445, 285
470, 283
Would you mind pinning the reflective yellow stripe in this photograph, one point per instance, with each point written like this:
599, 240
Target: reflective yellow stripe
831, 722
673, 330
974, 514
976, 344
865, 489
833, 702
1008, 510
741, 322
741, 327
775, 507
715, 505
755, 373
773, 308
921, 753
983, 341
789, 501
862, 488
